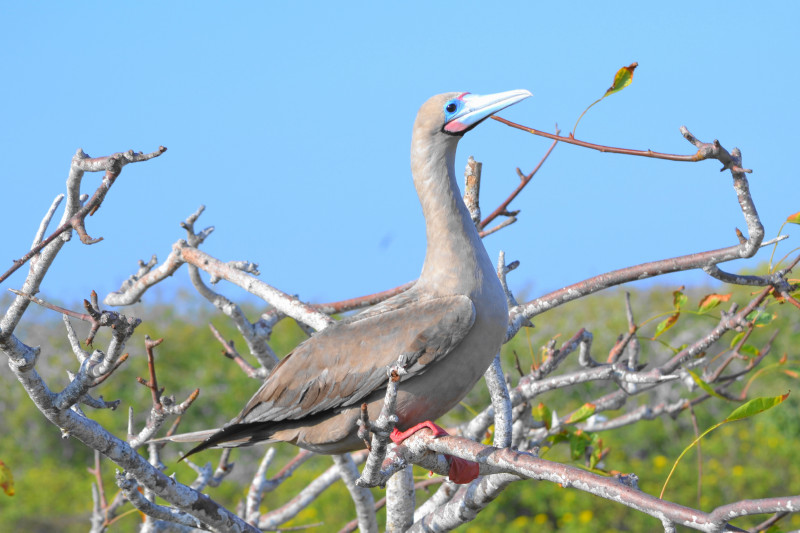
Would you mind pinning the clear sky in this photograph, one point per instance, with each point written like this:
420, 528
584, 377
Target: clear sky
291, 122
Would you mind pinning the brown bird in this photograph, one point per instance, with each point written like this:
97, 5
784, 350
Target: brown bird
447, 328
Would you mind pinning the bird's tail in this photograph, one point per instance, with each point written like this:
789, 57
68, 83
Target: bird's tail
231, 436
194, 436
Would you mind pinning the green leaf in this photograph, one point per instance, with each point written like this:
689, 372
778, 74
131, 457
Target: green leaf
561, 437
584, 411
597, 454
597, 451
665, 324
749, 349
735, 340
577, 447
710, 301
622, 79
705, 386
679, 299
761, 318
794, 219
578, 442
542, 412
755, 406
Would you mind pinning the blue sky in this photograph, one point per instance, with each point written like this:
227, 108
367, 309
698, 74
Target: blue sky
291, 122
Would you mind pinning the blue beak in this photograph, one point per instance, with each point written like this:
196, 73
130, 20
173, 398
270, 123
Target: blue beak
467, 110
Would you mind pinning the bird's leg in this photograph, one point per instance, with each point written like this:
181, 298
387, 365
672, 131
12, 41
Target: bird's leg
461, 470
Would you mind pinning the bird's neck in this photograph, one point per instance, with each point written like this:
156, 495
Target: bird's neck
455, 260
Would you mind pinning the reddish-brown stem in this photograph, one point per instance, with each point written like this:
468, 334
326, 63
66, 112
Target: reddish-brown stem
231, 353
789, 298
733, 355
99, 480
149, 344
80, 316
518, 365
507, 222
93, 316
301, 457
616, 351
361, 301
768, 523
524, 180
122, 359
601, 148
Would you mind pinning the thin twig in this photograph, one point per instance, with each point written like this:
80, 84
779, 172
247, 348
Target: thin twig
699, 156
113, 166
524, 180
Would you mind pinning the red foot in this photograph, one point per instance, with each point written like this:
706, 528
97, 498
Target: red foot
461, 470
399, 436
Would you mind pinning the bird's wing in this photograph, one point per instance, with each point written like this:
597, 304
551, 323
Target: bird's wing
347, 361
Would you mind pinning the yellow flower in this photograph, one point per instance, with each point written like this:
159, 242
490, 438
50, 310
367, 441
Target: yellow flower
520, 522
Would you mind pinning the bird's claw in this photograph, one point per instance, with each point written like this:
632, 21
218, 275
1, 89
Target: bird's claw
461, 470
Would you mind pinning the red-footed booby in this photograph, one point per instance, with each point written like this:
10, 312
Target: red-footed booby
446, 329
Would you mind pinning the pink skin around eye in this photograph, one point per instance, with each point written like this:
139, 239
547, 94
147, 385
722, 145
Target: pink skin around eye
456, 126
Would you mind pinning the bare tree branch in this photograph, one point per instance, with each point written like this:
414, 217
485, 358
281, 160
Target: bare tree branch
516, 431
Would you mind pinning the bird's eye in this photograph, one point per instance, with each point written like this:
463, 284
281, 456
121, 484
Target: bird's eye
451, 107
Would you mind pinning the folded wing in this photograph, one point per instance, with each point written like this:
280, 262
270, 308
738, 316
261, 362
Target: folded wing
346, 362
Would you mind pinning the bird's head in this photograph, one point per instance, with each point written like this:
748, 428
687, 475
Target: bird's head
456, 113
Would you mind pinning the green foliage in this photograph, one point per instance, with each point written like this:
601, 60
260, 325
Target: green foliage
738, 463
711, 301
751, 408
705, 386
53, 486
